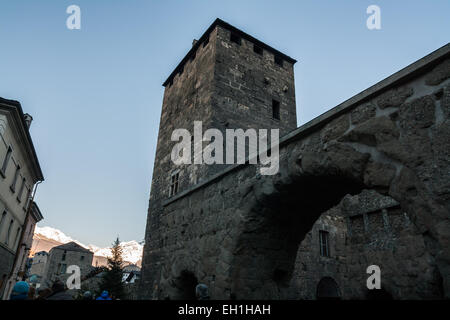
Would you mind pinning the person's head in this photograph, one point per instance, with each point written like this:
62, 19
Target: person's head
31, 293
201, 292
87, 295
57, 286
105, 294
44, 293
20, 291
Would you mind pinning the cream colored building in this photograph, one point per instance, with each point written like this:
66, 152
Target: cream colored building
19, 173
38, 265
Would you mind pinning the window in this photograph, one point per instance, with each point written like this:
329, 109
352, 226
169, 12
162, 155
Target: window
5, 161
17, 237
2, 220
8, 234
19, 196
257, 49
278, 60
193, 56
276, 109
63, 268
16, 175
324, 243
82, 258
235, 38
28, 200
64, 256
206, 41
174, 184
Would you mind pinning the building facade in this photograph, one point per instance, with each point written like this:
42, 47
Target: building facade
19, 173
60, 258
38, 265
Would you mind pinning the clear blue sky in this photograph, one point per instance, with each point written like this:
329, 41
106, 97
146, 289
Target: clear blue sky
95, 93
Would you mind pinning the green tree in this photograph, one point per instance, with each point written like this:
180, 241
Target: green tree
112, 278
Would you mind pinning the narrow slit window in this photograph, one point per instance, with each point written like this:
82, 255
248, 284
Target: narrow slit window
257, 49
19, 195
193, 56
8, 234
206, 41
27, 200
276, 109
2, 220
16, 176
6, 160
324, 243
278, 60
17, 237
235, 38
174, 184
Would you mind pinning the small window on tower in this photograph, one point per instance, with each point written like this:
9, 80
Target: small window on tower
206, 41
278, 60
174, 184
235, 38
276, 109
257, 49
324, 243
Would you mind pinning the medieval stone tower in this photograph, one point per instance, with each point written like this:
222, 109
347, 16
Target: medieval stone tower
228, 80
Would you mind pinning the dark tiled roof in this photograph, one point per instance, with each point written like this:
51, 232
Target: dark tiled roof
72, 246
16, 108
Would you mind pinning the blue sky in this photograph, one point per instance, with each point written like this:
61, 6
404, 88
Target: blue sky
95, 93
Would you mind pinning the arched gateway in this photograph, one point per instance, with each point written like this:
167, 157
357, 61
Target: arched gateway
238, 231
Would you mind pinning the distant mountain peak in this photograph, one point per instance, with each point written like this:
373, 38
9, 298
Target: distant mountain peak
132, 250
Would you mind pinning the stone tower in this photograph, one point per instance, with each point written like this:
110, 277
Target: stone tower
228, 80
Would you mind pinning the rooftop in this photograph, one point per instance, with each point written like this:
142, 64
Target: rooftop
242, 34
72, 246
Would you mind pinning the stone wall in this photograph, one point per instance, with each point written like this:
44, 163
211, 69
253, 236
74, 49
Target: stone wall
217, 86
7, 258
239, 232
55, 259
366, 229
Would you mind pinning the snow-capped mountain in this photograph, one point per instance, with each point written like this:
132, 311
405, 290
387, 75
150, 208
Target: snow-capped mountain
47, 237
131, 251
54, 234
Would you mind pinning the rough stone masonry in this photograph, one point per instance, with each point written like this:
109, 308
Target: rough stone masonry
243, 234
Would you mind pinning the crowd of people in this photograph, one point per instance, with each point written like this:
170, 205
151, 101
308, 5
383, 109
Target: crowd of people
23, 291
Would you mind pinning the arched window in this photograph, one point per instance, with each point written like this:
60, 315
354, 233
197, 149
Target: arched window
2, 221
327, 289
8, 234
17, 237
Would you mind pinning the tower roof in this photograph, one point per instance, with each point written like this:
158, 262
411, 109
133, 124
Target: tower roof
242, 34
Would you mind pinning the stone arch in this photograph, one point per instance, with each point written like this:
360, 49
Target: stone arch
283, 208
328, 289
